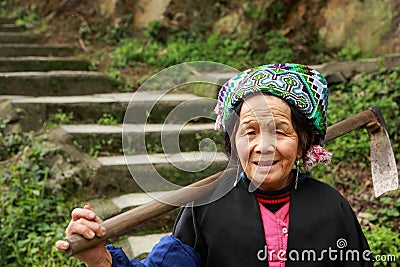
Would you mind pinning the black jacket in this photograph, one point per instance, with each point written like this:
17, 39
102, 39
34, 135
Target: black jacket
323, 229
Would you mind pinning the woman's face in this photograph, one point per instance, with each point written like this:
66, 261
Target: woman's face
266, 142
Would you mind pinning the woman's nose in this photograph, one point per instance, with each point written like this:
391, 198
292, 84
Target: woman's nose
265, 143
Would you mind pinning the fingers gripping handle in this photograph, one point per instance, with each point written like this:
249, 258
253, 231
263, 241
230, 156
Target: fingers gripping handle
118, 225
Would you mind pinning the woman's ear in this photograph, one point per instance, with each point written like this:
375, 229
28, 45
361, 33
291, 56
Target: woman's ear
299, 154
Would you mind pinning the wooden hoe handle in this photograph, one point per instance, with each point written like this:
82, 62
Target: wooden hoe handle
126, 221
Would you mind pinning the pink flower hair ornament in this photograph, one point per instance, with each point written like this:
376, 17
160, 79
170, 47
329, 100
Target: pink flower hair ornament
316, 154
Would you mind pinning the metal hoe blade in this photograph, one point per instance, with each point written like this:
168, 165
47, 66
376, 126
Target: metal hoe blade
383, 164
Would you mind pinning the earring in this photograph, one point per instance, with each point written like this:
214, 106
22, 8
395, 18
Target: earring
237, 179
297, 173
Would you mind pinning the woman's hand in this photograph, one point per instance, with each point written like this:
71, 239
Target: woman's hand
84, 222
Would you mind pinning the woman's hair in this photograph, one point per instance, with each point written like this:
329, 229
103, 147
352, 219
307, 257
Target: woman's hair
301, 125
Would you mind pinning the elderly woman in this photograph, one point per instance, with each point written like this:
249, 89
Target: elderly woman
273, 118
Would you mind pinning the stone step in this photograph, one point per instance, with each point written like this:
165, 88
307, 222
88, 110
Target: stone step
137, 246
56, 83
114, 178
21, 50
5, 20
14, 64
12, 28
18, 38
101, 140
108, 207
148, 106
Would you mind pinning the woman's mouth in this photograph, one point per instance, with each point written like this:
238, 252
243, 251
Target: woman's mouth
265, 164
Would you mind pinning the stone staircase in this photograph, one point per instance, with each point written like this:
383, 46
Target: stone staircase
38, 81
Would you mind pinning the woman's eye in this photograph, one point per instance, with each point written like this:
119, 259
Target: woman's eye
250, 132
280, 132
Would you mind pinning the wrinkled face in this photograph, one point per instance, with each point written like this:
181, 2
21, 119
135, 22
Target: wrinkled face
266, 142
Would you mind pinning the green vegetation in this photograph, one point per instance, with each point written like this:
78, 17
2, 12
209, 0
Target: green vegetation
11, 143
349, 54
379, 90
58, 119
31, 218
384, 242
383, 238
101, 31
7, 5
387, 214
235, 52
107, 119
31, 17
97, 146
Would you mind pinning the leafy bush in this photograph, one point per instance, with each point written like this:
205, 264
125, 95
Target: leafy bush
235, 52
384, 211
107, 119
7, 5
28, 15
32, 17
58, 119
12, 143
31, 220
384, 243
349, 54
103, 30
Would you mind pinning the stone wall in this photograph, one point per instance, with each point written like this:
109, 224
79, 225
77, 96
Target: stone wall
370, 26
356, 24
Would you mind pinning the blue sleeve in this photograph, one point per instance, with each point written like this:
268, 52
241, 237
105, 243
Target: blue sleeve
119, 258
169, 252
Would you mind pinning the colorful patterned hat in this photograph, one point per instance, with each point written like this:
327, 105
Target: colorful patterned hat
297, 84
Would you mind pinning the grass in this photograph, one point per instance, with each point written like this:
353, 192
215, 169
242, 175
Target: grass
31, 217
